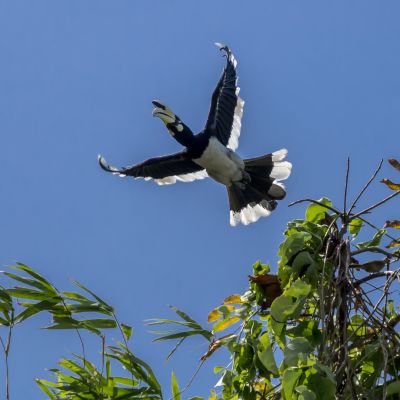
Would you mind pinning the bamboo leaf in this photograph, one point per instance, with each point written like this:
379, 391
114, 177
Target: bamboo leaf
175, 388
127, 331
81, 286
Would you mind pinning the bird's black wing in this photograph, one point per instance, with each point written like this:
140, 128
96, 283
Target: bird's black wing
165, 170
226, 110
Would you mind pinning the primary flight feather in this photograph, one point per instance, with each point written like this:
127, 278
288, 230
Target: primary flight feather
254, 185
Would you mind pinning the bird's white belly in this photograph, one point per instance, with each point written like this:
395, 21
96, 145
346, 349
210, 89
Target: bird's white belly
221, 163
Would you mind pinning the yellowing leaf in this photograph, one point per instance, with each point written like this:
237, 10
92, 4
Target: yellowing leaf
394, 163
233, 299
390, 184
392, 224
213, 395
393, 243
213, 315
225, 323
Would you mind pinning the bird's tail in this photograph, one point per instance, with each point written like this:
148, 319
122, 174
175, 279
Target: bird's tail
258, 197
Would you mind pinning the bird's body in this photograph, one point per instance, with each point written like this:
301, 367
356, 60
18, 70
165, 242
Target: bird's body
253, 185
221, 163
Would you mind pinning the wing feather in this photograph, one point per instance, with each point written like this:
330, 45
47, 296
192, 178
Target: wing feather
164, 170
226, 110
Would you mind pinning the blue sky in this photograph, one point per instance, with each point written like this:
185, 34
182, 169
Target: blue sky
77, 79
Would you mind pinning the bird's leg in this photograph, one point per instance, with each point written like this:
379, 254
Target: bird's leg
246, 179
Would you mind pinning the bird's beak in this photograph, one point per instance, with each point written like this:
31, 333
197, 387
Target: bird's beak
163, 112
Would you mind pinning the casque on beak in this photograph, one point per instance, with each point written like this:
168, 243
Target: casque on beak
163, 112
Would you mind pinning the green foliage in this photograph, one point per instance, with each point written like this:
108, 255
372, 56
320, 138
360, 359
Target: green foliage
314, 331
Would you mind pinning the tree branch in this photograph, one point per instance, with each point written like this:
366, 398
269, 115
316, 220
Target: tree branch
372, 276
366, 186
376, 205
373, 249
316, 202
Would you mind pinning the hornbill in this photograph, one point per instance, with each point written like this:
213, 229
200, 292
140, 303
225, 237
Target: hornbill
254, 185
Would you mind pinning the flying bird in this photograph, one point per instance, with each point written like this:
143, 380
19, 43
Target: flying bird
254, 185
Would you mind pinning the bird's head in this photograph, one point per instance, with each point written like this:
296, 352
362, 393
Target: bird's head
172, 121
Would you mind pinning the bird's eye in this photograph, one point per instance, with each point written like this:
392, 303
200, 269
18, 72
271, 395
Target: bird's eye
179, 127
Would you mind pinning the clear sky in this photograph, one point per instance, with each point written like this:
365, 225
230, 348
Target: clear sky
320, 78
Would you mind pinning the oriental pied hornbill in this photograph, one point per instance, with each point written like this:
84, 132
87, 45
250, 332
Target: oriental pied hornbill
254, 185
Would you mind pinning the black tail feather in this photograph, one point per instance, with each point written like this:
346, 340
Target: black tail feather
250, 201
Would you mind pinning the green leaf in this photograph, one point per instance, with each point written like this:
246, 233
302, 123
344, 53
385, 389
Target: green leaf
308, 329
175, 388
107, 306
45, 389
290, 379
355, 226
295, 350
33, 273
393, 388
298, 289
24, 293
375, 241
127, 331
31, 282
184, 315
295, 243
316, 212
324, 386
136, 366
178, 335
260, 269
266, 354
305, 393
35, 308
100, 323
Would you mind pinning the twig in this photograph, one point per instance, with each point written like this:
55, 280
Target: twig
316, 202
372, 276
366, 186
346, 185
373, 249
376, 205
190, 380
376, 228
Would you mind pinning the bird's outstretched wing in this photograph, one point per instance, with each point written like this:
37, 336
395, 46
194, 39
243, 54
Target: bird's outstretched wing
165, 170
226, 110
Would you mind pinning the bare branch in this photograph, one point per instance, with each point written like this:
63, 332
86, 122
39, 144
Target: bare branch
346, 185
373, 276
366, 186
376, 204
373, 249
316, 202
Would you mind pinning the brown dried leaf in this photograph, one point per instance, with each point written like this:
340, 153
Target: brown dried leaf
393, 243
392, 224
267, 279
390, 184
394, 163
215, 345
270, 286
233, 299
